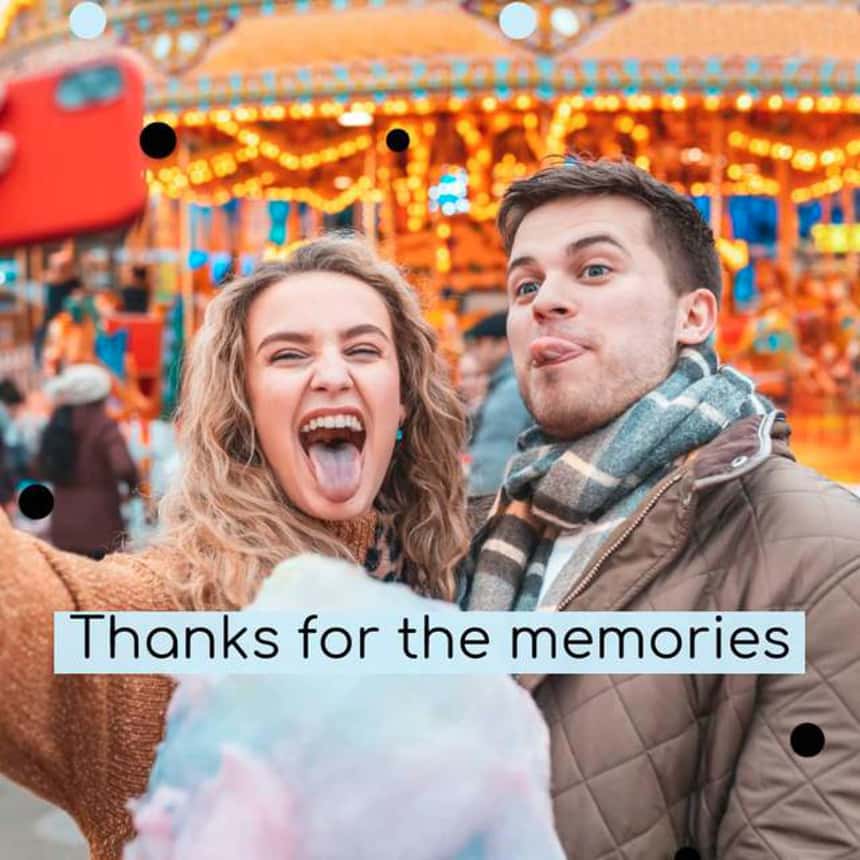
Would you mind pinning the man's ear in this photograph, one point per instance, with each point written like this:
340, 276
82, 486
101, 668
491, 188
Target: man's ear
697, 317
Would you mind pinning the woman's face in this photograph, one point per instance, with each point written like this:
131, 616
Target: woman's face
324, 386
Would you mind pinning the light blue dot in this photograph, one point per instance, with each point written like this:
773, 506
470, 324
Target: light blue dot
88, 20
518, 20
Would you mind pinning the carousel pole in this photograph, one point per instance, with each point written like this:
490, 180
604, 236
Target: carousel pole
786, 219
827, 218
186, 277
387, 213
850, 221
368, 204
718, 163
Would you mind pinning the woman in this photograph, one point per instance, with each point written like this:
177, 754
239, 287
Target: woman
85, 457
315, 416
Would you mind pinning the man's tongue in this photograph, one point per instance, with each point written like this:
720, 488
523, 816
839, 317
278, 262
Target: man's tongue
337, 469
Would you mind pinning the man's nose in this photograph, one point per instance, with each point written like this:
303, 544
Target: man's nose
555, 300
331, 373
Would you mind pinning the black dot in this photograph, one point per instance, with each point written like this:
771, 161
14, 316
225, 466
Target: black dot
157, 140
807, 740
397, 140
687, 853
36, 501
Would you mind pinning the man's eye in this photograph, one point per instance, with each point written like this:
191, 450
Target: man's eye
596, 270
525, 287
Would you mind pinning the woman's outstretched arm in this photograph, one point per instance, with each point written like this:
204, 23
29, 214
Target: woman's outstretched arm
83, 742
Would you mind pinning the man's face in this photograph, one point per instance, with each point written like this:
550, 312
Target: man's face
593, 319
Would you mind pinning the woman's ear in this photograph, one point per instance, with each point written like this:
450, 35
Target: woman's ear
402, 415
697, 317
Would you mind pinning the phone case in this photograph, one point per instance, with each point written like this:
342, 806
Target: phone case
78, 166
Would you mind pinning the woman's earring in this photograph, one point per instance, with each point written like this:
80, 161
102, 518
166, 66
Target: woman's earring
399, 436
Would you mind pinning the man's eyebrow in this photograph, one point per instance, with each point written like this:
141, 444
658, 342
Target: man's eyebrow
595, 239
519, 261
570, 250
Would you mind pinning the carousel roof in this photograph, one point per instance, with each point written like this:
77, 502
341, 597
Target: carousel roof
224, 52
359, 36
663, 29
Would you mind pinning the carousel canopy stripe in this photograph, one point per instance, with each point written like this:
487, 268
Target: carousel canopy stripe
463, 77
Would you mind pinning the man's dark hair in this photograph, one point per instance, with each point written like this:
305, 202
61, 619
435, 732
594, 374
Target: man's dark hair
494, 326
10, 394
681, 236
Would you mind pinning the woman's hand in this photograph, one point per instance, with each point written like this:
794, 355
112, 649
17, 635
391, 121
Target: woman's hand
7, 143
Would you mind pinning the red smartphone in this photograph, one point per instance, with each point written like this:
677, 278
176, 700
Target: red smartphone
77, 166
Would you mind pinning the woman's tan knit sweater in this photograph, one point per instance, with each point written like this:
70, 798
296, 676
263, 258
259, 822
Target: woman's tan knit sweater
83, 742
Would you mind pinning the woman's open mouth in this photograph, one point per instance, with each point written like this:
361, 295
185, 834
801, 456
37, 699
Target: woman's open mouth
334, 447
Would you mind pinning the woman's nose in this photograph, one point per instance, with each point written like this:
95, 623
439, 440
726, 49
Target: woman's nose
331, 373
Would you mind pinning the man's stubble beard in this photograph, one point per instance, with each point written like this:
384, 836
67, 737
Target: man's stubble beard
568, 406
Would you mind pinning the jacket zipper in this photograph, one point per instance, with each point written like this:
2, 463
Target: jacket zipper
591, 574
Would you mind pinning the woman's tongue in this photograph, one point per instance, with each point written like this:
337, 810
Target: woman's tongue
337, 469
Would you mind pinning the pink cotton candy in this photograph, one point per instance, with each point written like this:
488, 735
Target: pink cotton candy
245, 811
348, 767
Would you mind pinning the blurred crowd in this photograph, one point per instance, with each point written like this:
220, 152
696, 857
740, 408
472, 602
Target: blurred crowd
800, 340
65, 438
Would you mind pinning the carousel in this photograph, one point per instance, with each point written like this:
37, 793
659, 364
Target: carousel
407, 120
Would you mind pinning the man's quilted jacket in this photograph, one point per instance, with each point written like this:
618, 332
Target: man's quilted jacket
646, 765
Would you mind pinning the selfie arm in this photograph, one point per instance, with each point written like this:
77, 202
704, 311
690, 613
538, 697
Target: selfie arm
67, 737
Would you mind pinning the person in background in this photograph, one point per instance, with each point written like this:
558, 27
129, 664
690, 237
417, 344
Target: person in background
503, 415
135, 295
16, 451
7, 481
471, 384
61, 281
83, 454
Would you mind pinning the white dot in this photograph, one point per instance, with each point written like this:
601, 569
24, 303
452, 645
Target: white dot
188, 42
162, 45
564, 21
88, 20
518, 20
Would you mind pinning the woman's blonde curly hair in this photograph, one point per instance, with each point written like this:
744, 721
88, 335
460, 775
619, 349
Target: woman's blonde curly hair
226, 519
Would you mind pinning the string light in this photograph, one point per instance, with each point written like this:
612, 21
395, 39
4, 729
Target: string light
299, 161
744, 102
801, 159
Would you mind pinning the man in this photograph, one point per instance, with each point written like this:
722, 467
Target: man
502, 415
657, 480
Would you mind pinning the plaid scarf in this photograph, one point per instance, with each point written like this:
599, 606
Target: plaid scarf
587, 487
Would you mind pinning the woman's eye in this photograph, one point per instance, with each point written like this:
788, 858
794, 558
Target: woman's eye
596, 270
525, 288
288, 355
365, 351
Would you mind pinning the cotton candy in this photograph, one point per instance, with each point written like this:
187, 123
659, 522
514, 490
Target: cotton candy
347, 767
